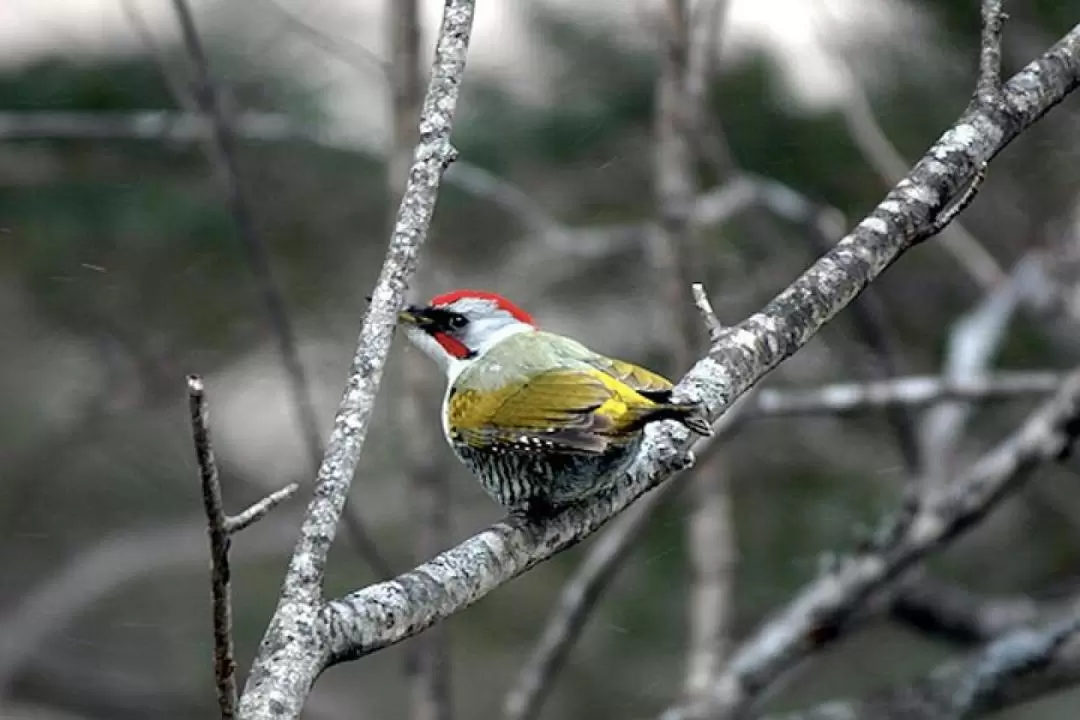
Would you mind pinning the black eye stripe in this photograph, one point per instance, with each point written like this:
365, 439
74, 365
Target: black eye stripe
447, 319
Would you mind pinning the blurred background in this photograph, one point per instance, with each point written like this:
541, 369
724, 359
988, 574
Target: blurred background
121, 270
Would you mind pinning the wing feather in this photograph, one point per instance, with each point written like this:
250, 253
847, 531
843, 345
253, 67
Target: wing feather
568, 411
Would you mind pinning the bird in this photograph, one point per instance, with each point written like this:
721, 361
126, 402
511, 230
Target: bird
540, 419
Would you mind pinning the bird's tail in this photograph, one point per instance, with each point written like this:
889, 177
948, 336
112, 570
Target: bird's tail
691, 415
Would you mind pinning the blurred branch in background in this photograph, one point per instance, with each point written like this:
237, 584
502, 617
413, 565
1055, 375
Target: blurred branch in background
961, 617
1022, 665
826, 609
428, 658
291, 655
224, 154
916, 390
221, 527
101, 570
180, 127
973, 343
687, 42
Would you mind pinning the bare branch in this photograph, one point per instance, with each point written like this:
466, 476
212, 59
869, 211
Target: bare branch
1021, 666
103, 568
255, 513
224, 154
988, 88
291, 655
386, 613
973, 343
913, 390
220, 587
962, 617
829, 605
179, 127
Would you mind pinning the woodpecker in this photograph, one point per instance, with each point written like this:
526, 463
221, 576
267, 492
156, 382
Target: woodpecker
539, 418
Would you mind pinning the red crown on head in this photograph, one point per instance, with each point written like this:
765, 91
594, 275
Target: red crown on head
500, 302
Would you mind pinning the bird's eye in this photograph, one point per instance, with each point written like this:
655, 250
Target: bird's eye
456, 322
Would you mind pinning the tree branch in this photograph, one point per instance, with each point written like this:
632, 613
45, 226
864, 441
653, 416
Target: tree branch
915, 390
828, 606
1022, 665
988, 87
961, 617
293, 653
220, 526
220, 587
386, 613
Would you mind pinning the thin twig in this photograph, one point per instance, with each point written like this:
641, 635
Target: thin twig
292, 655
988, 87
221, 590
226, 160
255, 513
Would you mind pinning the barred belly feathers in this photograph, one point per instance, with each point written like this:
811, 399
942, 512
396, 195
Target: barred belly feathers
540, 419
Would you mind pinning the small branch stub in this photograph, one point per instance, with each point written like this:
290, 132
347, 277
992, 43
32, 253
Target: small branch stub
951, 212
988, 87
708, 315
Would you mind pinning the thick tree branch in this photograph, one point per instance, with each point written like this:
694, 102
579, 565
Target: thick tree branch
294, 649
386, 613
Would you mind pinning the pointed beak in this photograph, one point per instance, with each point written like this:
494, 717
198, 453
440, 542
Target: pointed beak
416, 316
